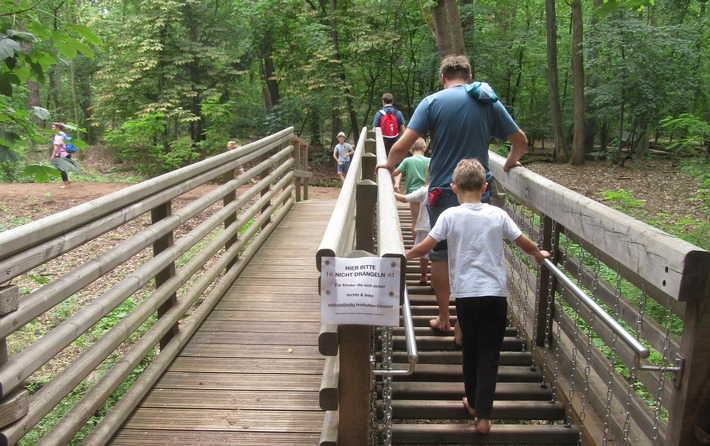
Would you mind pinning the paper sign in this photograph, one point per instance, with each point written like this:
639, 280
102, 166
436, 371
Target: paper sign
360, 291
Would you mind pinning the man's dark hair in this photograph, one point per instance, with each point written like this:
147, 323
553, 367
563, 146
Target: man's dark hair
387, 98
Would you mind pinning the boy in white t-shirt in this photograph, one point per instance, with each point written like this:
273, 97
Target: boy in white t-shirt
474, 232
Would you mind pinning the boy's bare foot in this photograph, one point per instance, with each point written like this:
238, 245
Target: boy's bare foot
458, 340
483, 426
471, 410
439, 325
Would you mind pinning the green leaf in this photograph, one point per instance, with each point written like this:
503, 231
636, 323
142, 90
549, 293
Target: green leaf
6, 81
41, 113
41, 174
85, 33
606, 8
7, 155
8, 47
10, 137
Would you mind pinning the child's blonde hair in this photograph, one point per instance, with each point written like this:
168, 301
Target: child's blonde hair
469, 175
232, 145
418, 146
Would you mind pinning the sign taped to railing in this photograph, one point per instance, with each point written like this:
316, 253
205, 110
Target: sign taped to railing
360, 291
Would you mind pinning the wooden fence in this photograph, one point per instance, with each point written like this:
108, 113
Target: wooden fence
654, 285
154, 260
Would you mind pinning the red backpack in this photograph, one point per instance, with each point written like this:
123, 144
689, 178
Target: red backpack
389, 125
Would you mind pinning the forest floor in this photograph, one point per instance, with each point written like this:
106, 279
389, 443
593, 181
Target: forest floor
659, 185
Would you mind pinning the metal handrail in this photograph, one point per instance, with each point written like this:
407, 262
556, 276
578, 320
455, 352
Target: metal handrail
640, 351
409, 339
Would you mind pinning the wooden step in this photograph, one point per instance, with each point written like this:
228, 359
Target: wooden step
422, 328
454, 391
451, 372
500, 434
446, 342
454, 357
454, 410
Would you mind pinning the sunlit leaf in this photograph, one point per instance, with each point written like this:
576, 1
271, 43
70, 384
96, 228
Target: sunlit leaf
86, 33
41, 174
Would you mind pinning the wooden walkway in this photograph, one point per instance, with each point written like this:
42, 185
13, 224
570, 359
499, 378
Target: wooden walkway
251, 374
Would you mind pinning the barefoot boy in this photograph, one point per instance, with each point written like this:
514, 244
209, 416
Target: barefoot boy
475, 233
420, 225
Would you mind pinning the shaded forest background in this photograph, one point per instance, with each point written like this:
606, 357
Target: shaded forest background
164, 83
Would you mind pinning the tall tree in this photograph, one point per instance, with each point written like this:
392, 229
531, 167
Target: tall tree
578, 149
447, 28
561, 149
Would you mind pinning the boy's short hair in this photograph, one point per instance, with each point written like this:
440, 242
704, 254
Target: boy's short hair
387, 98
419, 145
456, 67
469, 175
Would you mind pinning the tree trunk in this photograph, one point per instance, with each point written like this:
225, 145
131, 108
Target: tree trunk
578, 150
447, 29
561, 149
271, 92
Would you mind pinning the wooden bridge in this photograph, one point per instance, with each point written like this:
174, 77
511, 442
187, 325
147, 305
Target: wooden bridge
197, 321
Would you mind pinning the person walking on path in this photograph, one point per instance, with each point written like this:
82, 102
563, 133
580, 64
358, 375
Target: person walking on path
459, 127
475, 232
390, 120
60, 158
342, 153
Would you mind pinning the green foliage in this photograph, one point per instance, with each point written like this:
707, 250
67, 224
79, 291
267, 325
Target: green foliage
684, 227
622, 200
29, 53
691, 132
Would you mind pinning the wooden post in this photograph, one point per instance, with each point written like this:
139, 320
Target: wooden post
304, 166
689, 410
369, 161
230, 197
354, 384
371, 146
544, 326
297, 167
16, 405
160, 245
365, 201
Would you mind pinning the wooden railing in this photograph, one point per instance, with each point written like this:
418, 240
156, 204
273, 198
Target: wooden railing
153, 263
655, 286
649, 292
365, 222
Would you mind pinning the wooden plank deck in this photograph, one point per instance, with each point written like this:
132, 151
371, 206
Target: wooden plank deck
251, 374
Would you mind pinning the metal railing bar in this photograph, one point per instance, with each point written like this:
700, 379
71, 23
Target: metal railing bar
640, 351
409, 339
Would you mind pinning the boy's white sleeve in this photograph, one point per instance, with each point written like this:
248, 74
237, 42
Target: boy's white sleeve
441, 228
418, 196
511, 230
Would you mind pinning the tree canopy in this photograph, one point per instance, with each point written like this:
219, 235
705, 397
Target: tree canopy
168, 82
